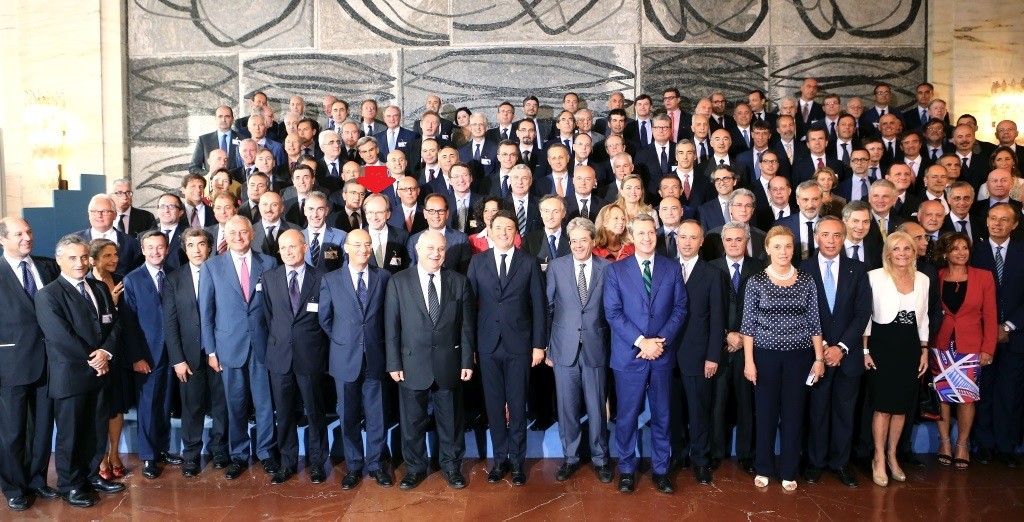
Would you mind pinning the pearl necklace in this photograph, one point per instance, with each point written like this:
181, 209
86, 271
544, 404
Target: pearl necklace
781, 277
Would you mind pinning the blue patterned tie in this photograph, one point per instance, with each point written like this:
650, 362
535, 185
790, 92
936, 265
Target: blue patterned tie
160, 283
314, 249
85, 294
521, 219
999, 264
293, 291
552, 246
830, 286
28, 281
224, 142
361, 291
647, 277
736, 277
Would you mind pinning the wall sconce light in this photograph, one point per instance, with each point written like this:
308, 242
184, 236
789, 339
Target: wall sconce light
46, 122
1008, 103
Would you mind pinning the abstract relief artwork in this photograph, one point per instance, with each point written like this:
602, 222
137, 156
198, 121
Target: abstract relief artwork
188, 56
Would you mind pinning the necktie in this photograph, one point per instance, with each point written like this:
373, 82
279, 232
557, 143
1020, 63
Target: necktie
757, 165
293, 291
821, 163
675, 125
670, 245
271, 238
463, 215
781, 214
85, 294
433, 304
584, 209
392, 140
521, 218
243, 280
891, 149
361, 290
223, 245
121, 223
830, 286
935, 154
810, 240
369, 129
863, 189
504, 186
846, 153
160, 282
686, 186
334, 170
167, 232
721, 162
553, 246
874, 174
881, 227
354, 220
526, 156
408, 221
999, 264
746, 137
963, 225
314, 249
643, 132
832, 130
647, 277
224, 142
703, 152
736, 277
881, 112
503, 273
806, 110
330, 124
664, 160
789, 152
856, 252
558, 185
725, 212
963, 162
924, 116
581, 285
759, 116
568, 144
504, 133
193, 220
27, 280
307, 151
476, 153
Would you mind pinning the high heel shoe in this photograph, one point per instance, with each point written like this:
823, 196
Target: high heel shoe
118, 471
895, 471
879, 479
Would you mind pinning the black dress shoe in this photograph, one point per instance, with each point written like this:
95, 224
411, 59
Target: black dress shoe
150, 469
518, 475
455, 479
18, 503
812, 475
46, 492
221, 460
78, 498
983, 456
663, 483
680, 463
383, 478
1008, 459
170, 458
566, 470
846, 477
317, 475
703, 474
351, 479
497, 472
747, 465
281, 476
106, 486
910, 459
605, 473
191, 468
271, 465
714, 462
627, 482
411, 480
235, 469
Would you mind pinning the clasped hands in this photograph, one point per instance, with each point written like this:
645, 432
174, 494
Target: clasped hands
99, 361
651, 348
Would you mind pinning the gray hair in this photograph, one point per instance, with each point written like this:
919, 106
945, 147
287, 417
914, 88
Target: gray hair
581, 223
197, 232
828, 218
326, 135
804, 185
640, 218
548, 197
69, 240
364, 140
741, 192
369, 198
737, 225
316, 194
855, 206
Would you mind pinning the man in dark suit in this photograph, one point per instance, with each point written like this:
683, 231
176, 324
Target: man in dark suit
551, 241
646, 307
817, 157
435, 208
256, 104
657, 158
700, 349
505, 129
143, 330
394, 136
711, 212
671, 213
860, 244
130, 219
388, 242
960, 218
509, 288
999, 183
185, 354
808, 111
917, 116
751, 158
270, 227
700, 189
741, 210
718, 118
480, 153
232, 300
350, 216
408, 213
998, 428
223, 138
101, 221
541, 128
857, 186
257, 127
352, 314
801, 224
442, 128
584, 201
721, 142
758, 105
873, 117
430, 348
169, 222
526, 206
729, 385
296, 357
974, 167
325, 253
78, 319
577, 349
844, 306
882, 197
26, 413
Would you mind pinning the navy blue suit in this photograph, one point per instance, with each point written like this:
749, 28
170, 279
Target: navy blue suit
833, 399
488, 161
711, 215
511, 322
357, 359
633, 313
804, 167
402, 141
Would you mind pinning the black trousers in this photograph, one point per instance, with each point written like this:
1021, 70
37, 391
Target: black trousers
81, 438
203, 390
450, 422
288, 389
729, 387
26, 434
506, 379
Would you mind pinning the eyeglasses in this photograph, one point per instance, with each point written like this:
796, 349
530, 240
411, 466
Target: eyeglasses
168, 207
742, 205
670, 97
859, 160
123, 193
435, 211
722, 180
101, 212
661, 127
770, 162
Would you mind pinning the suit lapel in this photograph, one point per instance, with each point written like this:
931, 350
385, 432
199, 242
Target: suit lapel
446, 291
595, 273
514, 263
8, 275
658, 276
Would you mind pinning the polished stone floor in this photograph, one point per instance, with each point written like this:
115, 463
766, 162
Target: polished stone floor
993, 493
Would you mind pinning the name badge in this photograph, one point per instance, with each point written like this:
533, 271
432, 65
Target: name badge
236, 142
259, 287
331, 254
445, 137
396, 261
485, 161
107, 318
313, 307
401, 144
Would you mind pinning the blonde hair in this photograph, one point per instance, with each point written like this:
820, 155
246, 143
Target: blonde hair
641, 204
776, 231
890, 244
605, 237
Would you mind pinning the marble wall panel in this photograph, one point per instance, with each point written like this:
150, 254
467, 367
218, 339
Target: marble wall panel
363, 24
838, 23
547, 21
697, 72
705, 22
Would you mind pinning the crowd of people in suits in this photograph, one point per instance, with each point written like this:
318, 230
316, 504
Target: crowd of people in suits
807, 273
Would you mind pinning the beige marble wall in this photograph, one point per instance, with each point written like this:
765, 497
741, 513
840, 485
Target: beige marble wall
69, 52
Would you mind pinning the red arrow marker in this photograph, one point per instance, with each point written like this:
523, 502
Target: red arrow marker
376, 179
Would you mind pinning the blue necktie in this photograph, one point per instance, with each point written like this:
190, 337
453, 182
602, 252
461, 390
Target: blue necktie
314, 249
552, 246
999, 264
830, 286
664, 160
361, 291
476, 154
757, 166
643, 133
81, 288
224, 142
293, 291
504, 186
28, 281
736, 277
160, 282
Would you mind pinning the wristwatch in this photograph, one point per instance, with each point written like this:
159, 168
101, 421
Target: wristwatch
1006, 328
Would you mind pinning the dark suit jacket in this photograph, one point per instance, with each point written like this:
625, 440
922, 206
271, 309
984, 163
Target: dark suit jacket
533, 221
181, 320
704, 330
845, 188
295, 341
413, 151
457, 250
263, 245
426, 352
844, 323
207, 218
650, 159
22, 352
142, 319
356, 332
976, 172
978, 228
702, 189
795, 223
743, 174
511, 313
208, 142
734, 305
397, 219
710, 215
73, 328
748, 157
817, 112
488, 161
536, 244
140, 221
713, 248
632, 313
402, 141
572, 207
804, 167
396, 255
129, 253
1009, 291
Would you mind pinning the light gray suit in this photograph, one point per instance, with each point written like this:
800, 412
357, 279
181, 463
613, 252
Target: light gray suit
578, 347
